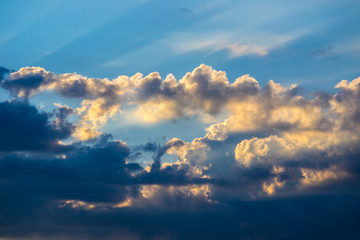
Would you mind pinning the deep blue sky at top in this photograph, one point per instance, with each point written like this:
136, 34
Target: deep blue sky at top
312, 43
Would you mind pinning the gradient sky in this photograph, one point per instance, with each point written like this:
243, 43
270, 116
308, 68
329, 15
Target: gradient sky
152, 119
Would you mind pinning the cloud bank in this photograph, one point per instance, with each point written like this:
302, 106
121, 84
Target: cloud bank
278, 163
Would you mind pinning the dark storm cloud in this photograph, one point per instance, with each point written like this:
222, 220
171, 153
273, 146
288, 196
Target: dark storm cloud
33, 186
24, 128
96, 174
312, 217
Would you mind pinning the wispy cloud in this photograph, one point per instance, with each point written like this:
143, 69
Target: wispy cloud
236, 44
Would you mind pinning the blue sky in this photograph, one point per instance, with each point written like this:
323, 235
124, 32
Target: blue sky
312, 43
153, 119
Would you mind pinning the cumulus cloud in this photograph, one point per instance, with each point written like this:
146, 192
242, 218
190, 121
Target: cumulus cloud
204, 89
102, 97
330, 127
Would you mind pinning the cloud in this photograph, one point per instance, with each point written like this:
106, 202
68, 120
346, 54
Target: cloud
236, 45
274, 146
102, 96
215, 44
202, 90
344, 104
26, 81
84, 173
23, 127
253, 150
237, 50
93, 115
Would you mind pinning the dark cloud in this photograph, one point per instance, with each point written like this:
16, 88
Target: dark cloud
312, 217
170, 176
33, 187
26, 84
24, 128
148, 147
96, 173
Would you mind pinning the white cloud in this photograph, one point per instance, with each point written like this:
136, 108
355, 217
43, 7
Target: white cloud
236, 44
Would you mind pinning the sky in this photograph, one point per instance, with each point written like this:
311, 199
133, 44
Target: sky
153, 119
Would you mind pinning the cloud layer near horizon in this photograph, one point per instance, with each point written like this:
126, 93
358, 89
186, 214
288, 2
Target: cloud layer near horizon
272, 146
